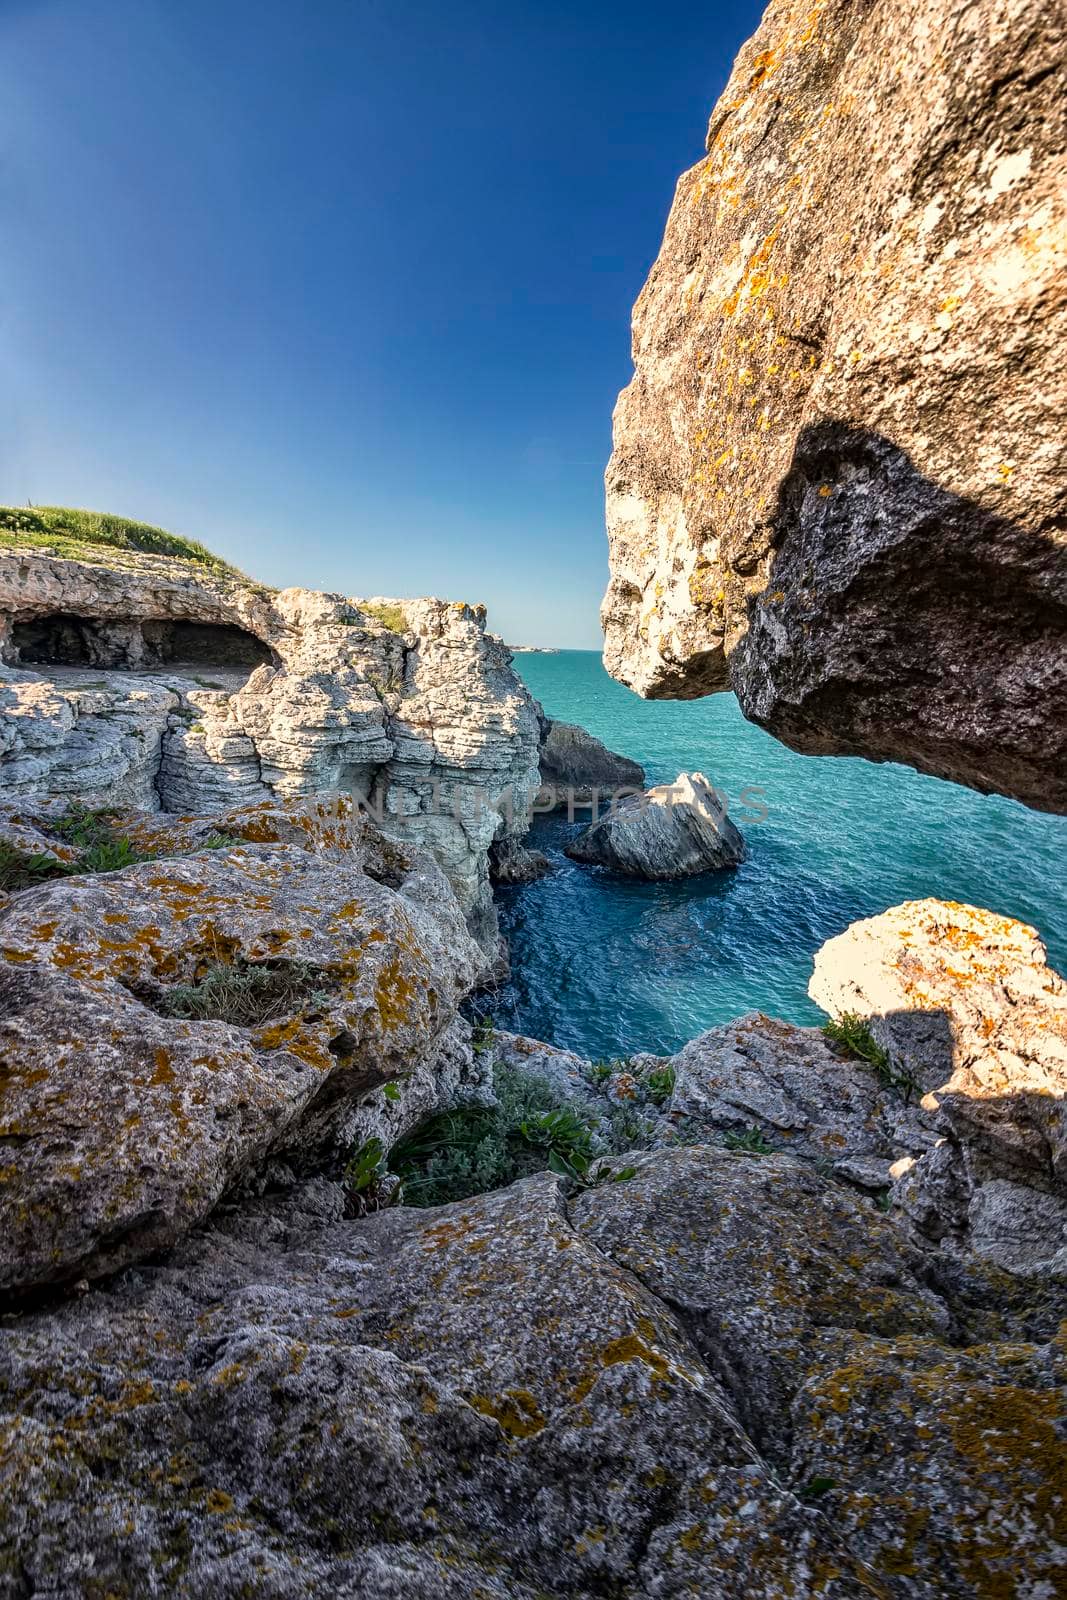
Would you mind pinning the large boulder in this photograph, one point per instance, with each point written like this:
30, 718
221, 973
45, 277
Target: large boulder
714, 1377
836, 480
762, 1076
964, 1004
166, 1029
577, 767
138, 680
670, 831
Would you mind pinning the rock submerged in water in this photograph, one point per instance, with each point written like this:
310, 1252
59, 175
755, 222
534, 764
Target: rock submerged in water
510, 861
674, 830
576, 765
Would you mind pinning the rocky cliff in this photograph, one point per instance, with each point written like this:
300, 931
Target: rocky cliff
837, 483
143, 680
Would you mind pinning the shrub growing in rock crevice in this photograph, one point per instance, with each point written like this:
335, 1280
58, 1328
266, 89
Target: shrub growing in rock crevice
246, 993
470, 1150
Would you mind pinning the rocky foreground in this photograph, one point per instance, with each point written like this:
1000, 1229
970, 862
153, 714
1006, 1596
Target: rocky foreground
783, 1315
795, 1341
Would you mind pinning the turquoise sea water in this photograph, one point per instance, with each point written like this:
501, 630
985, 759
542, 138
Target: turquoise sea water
606, 965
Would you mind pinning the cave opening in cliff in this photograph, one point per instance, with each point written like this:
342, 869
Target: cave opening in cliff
63, 639
203, 644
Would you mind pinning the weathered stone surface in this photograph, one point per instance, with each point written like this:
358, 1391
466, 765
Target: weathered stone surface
514, 1397
178, 688
837, 479
818, 1320
122, 1125
671, 831
511, 862
964, 1000
787, 1083
574, 764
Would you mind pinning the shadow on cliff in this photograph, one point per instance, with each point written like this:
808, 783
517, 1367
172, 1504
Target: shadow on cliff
903, 622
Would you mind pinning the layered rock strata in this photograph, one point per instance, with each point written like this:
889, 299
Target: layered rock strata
147, 681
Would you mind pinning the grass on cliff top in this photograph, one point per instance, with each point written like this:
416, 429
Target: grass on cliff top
79, 534
392, 617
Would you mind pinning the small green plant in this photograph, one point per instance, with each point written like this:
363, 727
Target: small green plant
566, 1138
364, 1166
817, 1486
482, 1034
22, 869
749, 1142
851, 1036
85, 826
883, 1200
362, 1177
218, 841
468, 1151
600, 1071
90, 831
109, 855
660, 1084
392, 617
391, 1092
246, 993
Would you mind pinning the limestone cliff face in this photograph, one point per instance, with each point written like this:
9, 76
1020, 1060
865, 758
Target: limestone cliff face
146, 681
837, 483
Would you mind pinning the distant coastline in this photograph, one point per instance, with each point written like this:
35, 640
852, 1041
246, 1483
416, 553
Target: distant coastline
533, 650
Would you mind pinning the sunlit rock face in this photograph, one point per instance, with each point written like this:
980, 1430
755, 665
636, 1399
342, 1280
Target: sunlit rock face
837, 479
153, 682
968, 1009
125, 1118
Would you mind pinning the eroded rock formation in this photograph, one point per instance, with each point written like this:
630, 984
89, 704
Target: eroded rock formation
123, 1120
670, 831
147, 681
965, 1003
719, 1372
837, 483
575, 765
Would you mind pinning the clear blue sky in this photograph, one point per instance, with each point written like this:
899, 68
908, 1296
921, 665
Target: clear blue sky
343, 289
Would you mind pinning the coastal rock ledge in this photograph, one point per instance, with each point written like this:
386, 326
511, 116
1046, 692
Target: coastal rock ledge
837, 482
143, 680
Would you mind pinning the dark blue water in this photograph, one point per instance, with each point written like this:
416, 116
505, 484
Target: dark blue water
607, 965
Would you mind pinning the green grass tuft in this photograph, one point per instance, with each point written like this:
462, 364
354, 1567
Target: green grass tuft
749, 1143
24, 869
392, 617
245, 992
456, 1154
67, 531
851, 1036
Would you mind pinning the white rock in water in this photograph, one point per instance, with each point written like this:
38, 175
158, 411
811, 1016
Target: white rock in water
671, 831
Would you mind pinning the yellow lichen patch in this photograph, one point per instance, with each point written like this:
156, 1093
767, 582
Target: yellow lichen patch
515, 1411
394, 993
164, 1072
300, 1039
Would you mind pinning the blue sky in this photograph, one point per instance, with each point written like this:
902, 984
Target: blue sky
343, 289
